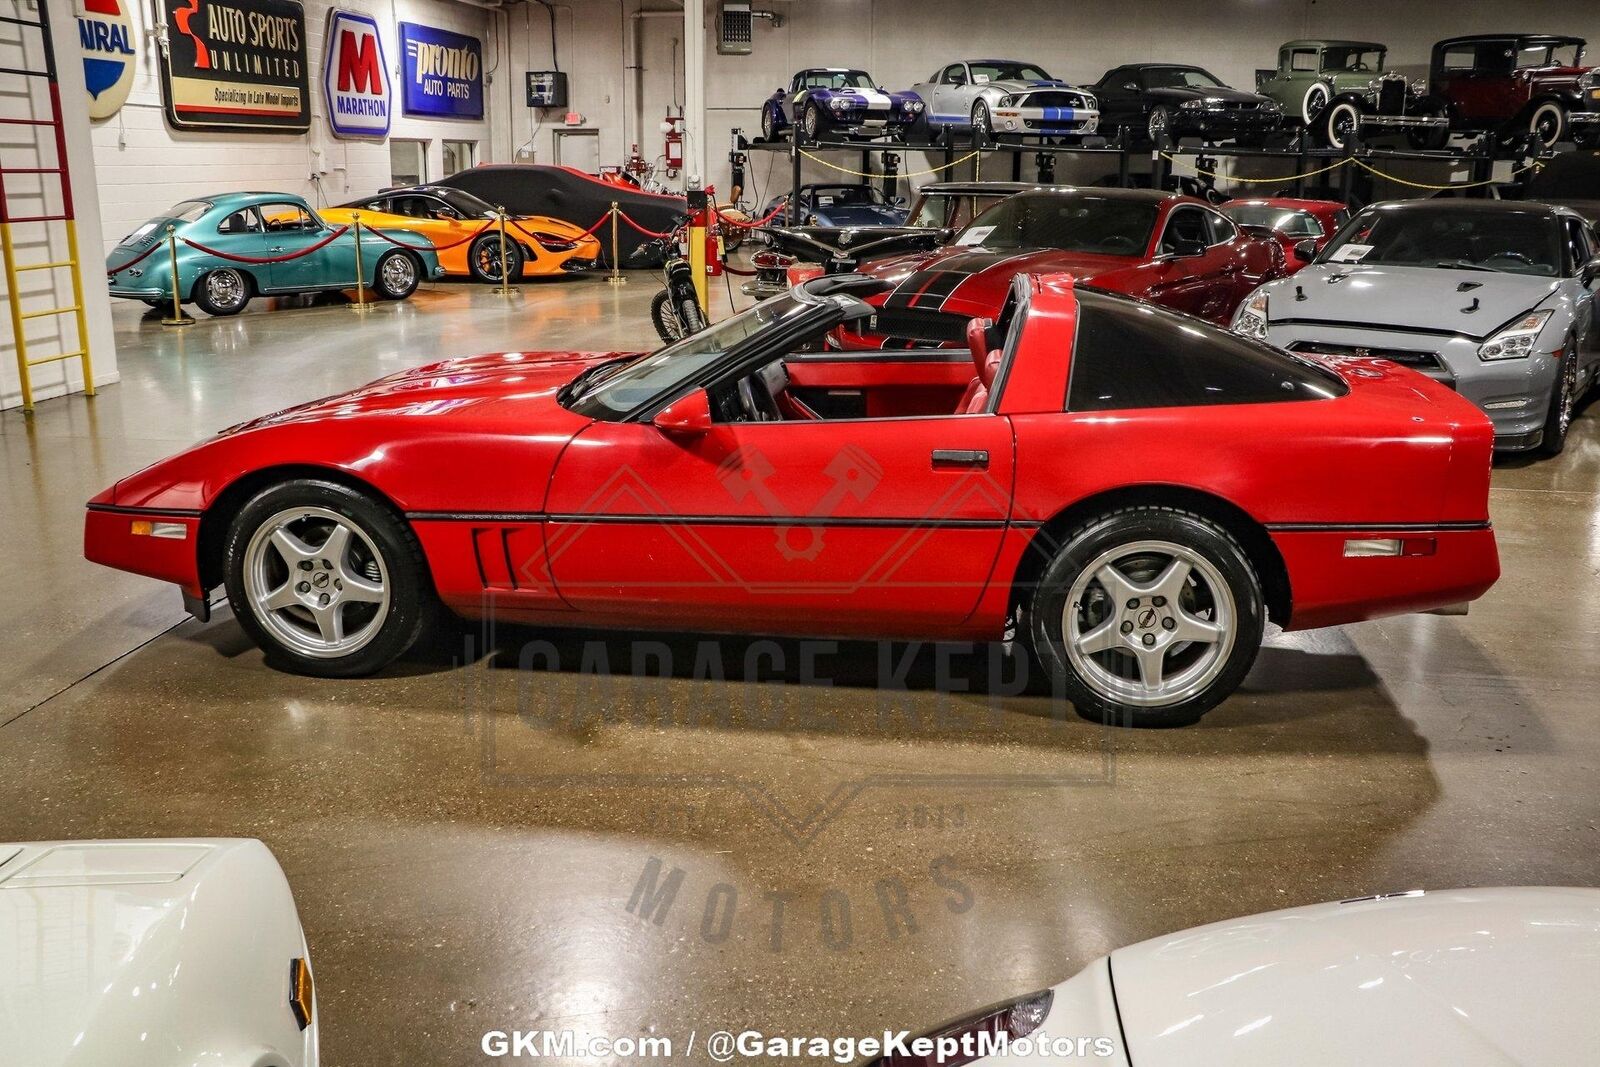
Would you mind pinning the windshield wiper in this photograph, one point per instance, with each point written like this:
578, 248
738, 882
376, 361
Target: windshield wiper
1462, 264
577, 388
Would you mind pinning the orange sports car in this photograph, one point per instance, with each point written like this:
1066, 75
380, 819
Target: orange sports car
454, 221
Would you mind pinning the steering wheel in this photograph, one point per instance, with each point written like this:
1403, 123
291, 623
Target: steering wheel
757, 401
1511, 255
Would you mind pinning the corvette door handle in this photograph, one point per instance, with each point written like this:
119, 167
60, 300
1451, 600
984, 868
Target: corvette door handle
961, 457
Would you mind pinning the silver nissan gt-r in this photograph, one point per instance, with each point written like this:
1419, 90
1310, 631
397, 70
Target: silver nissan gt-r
1496, 299
1006, 97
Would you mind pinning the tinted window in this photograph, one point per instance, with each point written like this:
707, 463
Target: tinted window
955, 75
1184, 224
1222, 230
1179, 78
242, 221
1008, 72
1463, 238
1577, 244
1073, 223
1287, 221
1135, 355
838, 79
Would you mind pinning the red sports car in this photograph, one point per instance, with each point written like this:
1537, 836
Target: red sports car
1136, 492
1176, 251
1301, 226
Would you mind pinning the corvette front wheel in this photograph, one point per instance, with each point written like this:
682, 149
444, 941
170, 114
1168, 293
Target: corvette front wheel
328, 581
1147, 616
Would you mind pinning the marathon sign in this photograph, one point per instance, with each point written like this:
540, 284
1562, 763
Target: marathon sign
443, 73
355, 78
236, 65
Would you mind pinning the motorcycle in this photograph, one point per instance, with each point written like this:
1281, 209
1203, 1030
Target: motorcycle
675, 311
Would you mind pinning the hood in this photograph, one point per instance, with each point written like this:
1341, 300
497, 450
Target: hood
1479, 977
451, 388
1020, 85
146, 953
1221, 95
1417, 298
972, 280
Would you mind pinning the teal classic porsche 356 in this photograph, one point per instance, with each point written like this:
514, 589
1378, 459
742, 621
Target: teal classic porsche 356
234, 246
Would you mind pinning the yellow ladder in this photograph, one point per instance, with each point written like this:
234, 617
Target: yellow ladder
65, 217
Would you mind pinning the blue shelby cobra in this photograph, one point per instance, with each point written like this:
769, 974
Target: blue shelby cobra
827, 101
837, 204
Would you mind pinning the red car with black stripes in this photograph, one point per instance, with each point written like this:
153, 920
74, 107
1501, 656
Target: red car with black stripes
1173, 250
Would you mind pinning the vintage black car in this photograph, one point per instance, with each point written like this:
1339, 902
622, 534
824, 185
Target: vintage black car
1166, 101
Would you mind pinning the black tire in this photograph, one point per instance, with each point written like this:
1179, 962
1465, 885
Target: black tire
1428, 138
769, 124
664, 318
982, 124
1338, 122
1563, 402
1158, 127
689, 313
483, 258
223, 291
400, 569
1219, 666
815, 121
397, 275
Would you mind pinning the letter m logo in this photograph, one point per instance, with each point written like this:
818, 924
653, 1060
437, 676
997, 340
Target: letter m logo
359, 68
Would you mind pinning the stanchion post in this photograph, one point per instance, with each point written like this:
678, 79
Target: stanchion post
505, 288
616, 248
177, 318
360, 303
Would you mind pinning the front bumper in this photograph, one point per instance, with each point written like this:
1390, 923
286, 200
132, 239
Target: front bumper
1046, 121
871, 123
1227, 121
156, 544
578, 266
1514, 393
1410, 122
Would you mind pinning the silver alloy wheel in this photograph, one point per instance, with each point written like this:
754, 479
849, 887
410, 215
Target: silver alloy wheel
980, 120
1158, 125
813, 121
316, 582
1149, 624
399, 273
1567, 385
226, 288
767, 126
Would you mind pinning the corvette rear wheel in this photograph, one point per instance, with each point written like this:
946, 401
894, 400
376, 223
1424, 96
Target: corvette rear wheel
1147, 616
483, 258
326, 580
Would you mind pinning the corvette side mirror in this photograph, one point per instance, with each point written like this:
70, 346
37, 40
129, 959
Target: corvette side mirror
1305, 251
687, 416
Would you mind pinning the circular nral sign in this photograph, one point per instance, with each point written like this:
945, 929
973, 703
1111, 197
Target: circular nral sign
105, 36
355, 78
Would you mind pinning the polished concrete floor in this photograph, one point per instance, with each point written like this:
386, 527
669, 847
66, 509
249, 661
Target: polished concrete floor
464, 836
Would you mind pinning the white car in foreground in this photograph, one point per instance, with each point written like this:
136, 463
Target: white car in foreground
151, 953
1469, 978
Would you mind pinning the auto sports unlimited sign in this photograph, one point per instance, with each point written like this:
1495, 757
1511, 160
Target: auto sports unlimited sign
105, 37
355, 78
236, 65
443, 73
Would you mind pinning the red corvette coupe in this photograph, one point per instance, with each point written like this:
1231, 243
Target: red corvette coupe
1137, 492
1176, 251
1301, 226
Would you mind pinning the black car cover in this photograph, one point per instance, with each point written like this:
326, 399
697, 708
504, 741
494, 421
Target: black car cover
573, 196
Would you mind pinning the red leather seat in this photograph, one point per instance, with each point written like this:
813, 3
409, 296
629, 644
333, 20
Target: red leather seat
986, 362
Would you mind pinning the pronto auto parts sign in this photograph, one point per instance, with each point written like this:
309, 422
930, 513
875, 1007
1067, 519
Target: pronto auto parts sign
105, 37
443, 73
237, 65
355, 78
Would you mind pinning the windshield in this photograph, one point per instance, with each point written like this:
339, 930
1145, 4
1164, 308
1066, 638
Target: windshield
837, 79
1179, 78
619, 389
1007, 72
1288, 223
936, 211
1072, 223
464, 202
1357, 60
1548, 55
1517, 242
845, 195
